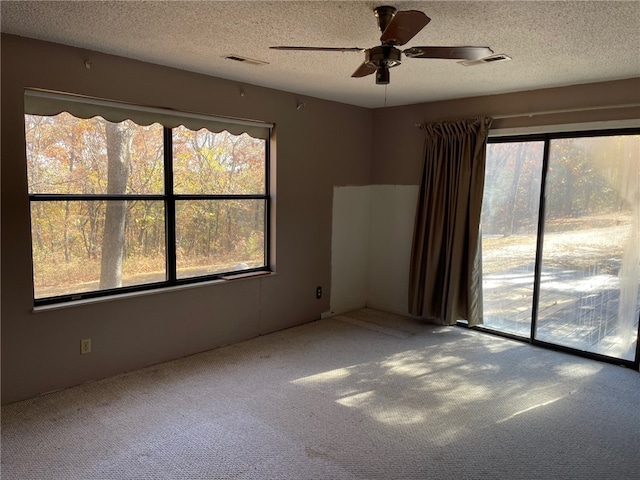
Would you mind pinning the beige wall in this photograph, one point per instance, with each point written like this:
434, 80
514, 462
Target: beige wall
323, 145
397, 161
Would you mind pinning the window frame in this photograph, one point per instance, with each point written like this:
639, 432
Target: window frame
169, 199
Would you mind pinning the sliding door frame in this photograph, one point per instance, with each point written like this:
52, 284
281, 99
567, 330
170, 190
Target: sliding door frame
547, 138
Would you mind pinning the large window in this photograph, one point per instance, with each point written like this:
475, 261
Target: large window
130, 204
561, 241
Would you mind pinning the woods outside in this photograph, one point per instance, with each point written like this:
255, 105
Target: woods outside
83, 244
592, 191
590, 269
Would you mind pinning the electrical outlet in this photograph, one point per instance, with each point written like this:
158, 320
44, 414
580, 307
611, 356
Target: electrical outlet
85, 346
318, 292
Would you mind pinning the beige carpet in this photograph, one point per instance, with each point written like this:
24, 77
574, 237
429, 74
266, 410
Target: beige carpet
360, 396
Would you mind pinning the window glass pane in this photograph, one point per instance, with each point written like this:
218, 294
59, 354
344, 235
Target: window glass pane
68, 155
509, 219
72, 254
589, 289
217, 163
216, 236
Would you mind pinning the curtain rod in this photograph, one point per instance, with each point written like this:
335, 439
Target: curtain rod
561, 110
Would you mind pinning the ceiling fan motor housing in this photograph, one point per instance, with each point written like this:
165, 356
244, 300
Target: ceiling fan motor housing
383, 56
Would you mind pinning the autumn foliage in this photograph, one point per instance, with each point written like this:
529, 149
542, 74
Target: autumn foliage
71, 188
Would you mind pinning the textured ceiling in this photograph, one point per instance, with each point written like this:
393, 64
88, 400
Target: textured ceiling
551, 43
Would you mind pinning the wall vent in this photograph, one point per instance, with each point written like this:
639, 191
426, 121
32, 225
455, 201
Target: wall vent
498, 57
248, 61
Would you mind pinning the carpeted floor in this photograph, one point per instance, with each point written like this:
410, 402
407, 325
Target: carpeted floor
360, 396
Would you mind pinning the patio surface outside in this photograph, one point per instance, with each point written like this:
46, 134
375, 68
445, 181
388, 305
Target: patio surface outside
576, 309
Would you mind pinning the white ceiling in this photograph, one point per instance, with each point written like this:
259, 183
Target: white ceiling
552, 43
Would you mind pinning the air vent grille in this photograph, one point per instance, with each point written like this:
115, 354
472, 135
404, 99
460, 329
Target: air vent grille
249, 61
498, 57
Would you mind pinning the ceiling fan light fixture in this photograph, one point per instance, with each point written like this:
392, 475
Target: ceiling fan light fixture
382, 76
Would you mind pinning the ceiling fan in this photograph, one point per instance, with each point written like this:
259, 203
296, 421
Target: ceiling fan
398, 27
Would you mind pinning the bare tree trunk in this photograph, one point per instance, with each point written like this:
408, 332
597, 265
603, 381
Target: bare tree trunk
37, 228
115, 214
67, 253
515, 184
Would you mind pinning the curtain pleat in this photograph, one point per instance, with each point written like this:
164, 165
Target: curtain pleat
445, 283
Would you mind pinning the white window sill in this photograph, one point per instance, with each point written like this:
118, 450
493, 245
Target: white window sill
110, 298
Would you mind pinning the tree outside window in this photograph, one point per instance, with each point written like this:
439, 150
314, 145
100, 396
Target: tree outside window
119, 206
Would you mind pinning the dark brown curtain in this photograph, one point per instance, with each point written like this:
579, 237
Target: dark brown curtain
445, 283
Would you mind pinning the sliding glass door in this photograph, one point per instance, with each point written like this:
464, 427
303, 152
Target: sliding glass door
510, 210
564, 271
591, 245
